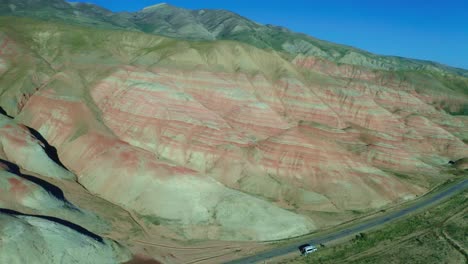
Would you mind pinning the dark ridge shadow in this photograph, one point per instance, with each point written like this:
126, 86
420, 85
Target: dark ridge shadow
51, 151
50, 188
3, 112
68, 224
11, 167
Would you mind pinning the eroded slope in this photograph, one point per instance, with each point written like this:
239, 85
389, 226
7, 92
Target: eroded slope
220, 140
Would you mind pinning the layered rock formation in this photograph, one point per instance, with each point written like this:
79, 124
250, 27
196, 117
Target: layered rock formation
35, 215
210, 140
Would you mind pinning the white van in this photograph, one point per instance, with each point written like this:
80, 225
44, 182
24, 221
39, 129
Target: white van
307, 249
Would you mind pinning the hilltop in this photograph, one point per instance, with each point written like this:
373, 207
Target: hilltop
206, 24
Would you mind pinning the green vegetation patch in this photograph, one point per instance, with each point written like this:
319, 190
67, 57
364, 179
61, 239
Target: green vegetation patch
417, 239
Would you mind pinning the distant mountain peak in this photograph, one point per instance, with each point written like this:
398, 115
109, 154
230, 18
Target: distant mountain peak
153, 7
211, 24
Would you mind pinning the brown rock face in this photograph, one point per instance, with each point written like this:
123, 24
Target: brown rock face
221, 140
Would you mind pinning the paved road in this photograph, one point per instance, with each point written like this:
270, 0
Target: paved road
361, 227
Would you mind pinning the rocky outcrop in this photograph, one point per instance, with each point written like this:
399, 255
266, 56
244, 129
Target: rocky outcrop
223, 140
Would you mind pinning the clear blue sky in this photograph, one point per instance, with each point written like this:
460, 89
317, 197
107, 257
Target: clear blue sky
434, 30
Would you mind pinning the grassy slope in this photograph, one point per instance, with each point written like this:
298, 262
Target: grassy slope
95, 39
419, 239
218, 24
